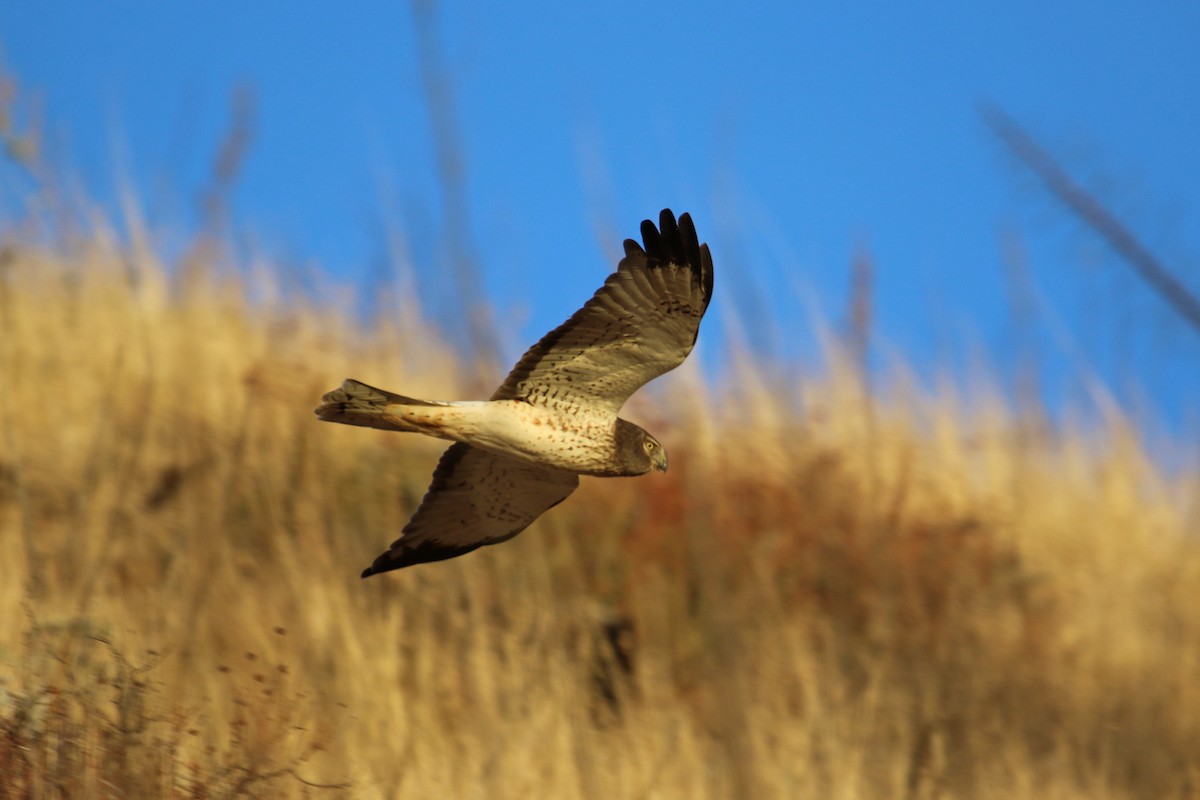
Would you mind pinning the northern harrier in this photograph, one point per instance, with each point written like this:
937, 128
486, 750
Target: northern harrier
555, 416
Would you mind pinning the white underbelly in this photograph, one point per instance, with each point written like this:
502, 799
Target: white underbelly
580, 442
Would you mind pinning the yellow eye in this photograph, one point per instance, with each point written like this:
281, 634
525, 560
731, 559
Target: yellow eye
649, 446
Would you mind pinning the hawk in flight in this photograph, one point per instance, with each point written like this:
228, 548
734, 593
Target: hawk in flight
555, 416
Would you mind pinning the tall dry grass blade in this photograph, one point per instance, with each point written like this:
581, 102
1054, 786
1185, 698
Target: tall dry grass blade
450, 153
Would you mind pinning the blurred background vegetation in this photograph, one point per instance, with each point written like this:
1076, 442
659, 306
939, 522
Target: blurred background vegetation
850, 584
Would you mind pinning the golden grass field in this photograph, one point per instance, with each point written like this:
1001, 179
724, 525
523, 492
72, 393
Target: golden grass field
834, 593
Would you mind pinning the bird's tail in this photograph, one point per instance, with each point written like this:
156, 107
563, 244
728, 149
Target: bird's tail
355, 403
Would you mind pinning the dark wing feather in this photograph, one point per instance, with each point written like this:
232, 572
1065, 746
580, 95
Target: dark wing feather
640, 324
476, 498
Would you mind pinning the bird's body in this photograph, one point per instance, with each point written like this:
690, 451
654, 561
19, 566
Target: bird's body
555, 416
563, 435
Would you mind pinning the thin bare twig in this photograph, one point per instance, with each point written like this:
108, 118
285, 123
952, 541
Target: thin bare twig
231, 156
860, 309
1099, 218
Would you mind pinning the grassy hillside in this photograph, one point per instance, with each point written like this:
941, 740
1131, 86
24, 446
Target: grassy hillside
832, 594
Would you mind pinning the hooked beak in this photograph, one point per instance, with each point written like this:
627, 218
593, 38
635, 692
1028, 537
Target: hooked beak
659, 460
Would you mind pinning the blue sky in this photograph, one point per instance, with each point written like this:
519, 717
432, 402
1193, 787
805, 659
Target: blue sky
796, 133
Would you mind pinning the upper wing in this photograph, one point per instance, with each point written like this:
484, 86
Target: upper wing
640, 324
476, 498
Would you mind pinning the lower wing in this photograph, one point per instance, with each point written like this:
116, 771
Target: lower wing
476, 498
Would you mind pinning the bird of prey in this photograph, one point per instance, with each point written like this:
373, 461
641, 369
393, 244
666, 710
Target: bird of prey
555, 416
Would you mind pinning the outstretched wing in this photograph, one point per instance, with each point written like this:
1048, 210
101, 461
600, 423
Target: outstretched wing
640, 324
476, 498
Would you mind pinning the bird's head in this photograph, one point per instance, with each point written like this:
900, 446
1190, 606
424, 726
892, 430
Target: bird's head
656, 453
638, 451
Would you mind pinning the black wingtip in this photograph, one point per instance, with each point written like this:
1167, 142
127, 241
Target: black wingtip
676, 242
691, 242
398, 557
651, 238
382, 564
671, 240
670, 234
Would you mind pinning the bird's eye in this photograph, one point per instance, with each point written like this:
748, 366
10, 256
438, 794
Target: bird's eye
649, 446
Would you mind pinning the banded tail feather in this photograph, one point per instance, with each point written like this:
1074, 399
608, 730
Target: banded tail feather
356, 403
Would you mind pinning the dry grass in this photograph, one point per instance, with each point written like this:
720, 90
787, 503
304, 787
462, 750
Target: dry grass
831, 595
